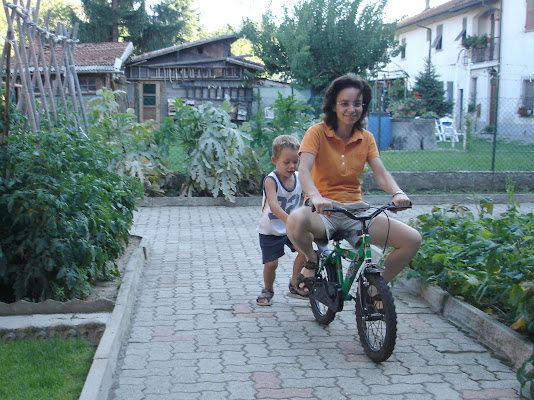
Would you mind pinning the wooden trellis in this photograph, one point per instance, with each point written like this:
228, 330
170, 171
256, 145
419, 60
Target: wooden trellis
39, 67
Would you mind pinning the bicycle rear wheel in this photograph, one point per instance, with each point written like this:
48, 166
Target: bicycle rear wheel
376, 318
322, 313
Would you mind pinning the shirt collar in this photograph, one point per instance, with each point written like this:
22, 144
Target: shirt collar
357, 134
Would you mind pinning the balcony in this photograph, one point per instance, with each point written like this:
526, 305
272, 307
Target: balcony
487, 52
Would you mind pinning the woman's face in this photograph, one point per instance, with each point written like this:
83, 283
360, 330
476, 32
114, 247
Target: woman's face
348, 107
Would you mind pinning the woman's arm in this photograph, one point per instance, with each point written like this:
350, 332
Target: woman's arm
306, 181
387, 183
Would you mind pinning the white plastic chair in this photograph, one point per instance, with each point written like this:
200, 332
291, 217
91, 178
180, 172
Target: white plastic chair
448, 130
438, 129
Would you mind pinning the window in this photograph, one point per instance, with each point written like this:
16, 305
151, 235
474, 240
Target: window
528, 97
87, 85
403, 48
149, 94
438, 41
450, 91
529, 26
462, 35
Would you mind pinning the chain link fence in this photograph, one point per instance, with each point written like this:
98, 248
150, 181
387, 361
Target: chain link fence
490, 136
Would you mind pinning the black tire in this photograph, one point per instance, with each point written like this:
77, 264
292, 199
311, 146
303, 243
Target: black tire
377, 327
322, 313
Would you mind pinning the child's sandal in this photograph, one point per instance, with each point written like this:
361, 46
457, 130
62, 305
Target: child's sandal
266, 298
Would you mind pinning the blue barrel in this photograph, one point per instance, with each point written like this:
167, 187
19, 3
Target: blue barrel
382, 135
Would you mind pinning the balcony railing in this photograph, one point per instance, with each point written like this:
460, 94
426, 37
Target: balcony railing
489, 52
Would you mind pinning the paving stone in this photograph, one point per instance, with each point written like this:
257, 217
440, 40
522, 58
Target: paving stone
196, 332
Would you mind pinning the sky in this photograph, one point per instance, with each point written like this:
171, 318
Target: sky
216, 14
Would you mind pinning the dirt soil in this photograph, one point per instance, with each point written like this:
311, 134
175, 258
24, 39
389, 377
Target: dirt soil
109, 289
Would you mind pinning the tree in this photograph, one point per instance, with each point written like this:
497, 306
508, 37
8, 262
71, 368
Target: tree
109, 20
168, 22
171, 22
430, 89
322, 40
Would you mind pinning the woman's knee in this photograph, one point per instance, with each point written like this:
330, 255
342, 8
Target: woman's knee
297, 220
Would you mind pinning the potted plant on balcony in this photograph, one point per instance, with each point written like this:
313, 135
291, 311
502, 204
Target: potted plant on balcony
524, 112
474, 42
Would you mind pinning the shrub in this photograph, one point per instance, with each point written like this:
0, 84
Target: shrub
66, 214
219, 157
487, 261
138, 154
291, 117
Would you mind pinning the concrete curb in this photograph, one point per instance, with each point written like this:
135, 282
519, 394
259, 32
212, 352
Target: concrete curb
424, 199
100, 378
504, 341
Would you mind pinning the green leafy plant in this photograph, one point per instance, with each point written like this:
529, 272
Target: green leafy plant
218, 155
494, 272
135, 144
411, 106
291, 117
471, 42
67, 215
525, 375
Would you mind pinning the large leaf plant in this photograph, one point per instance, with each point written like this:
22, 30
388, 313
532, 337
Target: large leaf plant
218, 155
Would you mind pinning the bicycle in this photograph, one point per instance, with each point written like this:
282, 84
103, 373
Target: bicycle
376, 318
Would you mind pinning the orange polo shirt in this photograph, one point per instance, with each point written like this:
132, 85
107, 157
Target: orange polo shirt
338, 167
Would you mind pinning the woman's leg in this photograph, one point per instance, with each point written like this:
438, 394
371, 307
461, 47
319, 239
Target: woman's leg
297, 267
404, 239
303, 227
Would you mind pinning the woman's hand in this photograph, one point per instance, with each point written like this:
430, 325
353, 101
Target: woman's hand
321, 204
401, 200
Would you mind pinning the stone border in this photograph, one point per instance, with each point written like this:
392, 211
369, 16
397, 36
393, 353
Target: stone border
100, 378
423, 199
507, 343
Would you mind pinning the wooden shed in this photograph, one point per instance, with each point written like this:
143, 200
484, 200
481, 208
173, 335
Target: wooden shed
198, 72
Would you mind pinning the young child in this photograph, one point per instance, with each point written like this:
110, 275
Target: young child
281, 195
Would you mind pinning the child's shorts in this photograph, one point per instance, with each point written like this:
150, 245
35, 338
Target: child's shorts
272, 247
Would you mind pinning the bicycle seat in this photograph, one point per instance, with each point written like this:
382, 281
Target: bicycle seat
340, 235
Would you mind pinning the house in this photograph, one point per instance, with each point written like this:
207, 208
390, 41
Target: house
198, 72
101, 65
482, 50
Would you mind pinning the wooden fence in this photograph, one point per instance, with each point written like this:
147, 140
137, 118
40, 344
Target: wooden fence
39, 70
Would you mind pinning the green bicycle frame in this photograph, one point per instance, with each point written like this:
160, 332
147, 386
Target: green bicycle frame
358, 257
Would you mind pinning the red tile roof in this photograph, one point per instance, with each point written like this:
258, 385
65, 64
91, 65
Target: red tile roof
449, 7
102, 54
96, 56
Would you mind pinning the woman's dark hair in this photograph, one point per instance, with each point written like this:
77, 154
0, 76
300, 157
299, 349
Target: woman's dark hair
337, 85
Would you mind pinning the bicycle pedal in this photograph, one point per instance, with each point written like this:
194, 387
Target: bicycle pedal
328, 293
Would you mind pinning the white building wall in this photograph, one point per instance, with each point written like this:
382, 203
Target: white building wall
473, 80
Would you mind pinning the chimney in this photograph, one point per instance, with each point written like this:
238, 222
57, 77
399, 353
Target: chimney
427, 4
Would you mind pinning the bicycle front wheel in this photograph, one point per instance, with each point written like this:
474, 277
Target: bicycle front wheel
321, 312
376, 318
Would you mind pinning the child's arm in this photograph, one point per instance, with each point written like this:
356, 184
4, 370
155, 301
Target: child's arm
272, 199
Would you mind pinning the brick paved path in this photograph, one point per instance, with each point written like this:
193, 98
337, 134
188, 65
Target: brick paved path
197, 333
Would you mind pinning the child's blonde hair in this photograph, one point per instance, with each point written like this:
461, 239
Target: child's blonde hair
284, 142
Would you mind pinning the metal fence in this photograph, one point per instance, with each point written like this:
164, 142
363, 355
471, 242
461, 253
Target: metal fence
490, 136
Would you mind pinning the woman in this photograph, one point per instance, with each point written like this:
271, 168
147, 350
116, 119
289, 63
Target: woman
332, 157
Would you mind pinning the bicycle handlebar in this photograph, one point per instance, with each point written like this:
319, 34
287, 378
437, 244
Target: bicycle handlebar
377, 211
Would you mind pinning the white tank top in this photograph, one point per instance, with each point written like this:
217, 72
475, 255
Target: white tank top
289, 199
